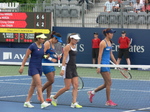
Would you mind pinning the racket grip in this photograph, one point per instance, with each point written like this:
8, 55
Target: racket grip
59, 63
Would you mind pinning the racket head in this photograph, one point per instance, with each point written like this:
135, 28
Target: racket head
58, 48
125, 73
80, 83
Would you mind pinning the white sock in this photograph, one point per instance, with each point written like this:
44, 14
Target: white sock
27, 102
93, 92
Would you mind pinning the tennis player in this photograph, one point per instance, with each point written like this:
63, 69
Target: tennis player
105, 54
69, 72
49, 71
36, 50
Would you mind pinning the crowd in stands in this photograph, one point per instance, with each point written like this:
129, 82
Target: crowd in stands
135, 5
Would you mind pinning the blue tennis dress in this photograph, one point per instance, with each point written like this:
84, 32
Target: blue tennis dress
106, 58
48, 69
35, 63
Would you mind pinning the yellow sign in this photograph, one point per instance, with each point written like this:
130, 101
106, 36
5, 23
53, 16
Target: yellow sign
23, 30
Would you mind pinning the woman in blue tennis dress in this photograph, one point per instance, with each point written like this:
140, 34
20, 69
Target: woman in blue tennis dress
49, 71
36, 50
105, 54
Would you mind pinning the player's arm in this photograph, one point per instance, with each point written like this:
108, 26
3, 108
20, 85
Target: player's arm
102, 45
47, 56
46, 46
65, 54
28, 52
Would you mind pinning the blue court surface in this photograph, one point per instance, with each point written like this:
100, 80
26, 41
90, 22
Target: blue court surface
130, 95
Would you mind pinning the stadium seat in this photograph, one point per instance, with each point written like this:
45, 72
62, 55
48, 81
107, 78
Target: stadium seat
131, 17
64, 2
73, 2
102, 18
58, 11
75, 11
124, 18
49, 8
126, 2
65, 11
55, 2
142, 18
113, 18
148, 18
128, 9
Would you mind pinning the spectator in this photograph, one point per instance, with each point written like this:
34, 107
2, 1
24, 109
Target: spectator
109, 6
138, 7
147, 5
117, 6
132, 2
82, 1
124, 44
95, 47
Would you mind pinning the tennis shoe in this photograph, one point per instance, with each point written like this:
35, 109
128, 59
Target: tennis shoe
28, 105
110, 103
44, 105
54, 101
48, 100
75, 105
90, 96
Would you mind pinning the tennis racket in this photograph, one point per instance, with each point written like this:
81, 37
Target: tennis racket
58, 51
80, 83
124, 72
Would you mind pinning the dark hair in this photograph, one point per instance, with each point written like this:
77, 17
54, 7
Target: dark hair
35, 34
54, 33
69, 39
105, 31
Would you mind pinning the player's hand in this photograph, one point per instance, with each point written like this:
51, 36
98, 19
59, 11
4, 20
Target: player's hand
21, 69
62, 72
98, 70
46, 56
54, 60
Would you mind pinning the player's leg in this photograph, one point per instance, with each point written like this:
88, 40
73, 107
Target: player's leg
107, 79
92, 93
48, 85
38, 83
61, 91
30, 93
74, 103
107, 82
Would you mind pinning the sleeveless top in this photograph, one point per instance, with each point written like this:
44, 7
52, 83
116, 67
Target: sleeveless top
106, 54
71, 59
51, 52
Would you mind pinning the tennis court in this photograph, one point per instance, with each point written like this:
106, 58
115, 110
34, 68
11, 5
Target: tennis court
131, 94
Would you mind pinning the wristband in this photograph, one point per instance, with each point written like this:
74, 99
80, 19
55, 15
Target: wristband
50, 58
63, 68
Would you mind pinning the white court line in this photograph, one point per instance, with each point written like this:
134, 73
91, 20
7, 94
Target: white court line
13, 96
137, 109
